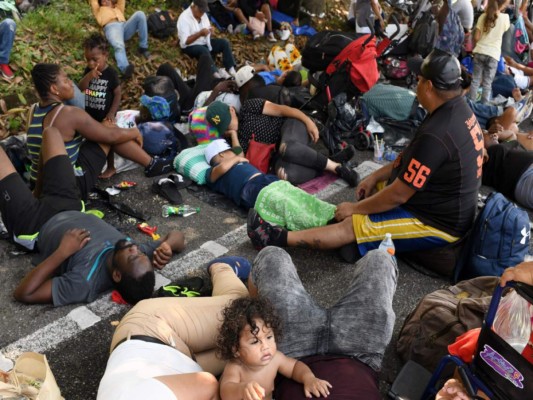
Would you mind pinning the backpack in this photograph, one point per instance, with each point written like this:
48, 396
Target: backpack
158, 85
161, 24
499, 239
323, 47
424, 34
440, 317
452, 35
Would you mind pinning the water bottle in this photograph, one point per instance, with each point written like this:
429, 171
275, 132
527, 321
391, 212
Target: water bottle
387, 244
181, 211
513, 321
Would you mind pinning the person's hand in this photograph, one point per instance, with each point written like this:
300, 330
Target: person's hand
162, 255
73, 241
260, 16
312, 130
316, 387
253, 391
509, 61
205, 31
523, 272
343, 211
94, 73
452, 390
365, 188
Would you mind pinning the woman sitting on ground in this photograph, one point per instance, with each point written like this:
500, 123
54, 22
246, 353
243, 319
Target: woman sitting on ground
88, 156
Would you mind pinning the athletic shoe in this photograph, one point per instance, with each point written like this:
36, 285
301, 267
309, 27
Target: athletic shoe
191, 287
240, 265
344, 155
144, 52
260, 232
349, 175
256, 36
128, 72
6, 71
271, 37
223, 73
229, 29
239, 28
158, 166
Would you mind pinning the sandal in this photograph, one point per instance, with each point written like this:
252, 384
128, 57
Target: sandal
167, 188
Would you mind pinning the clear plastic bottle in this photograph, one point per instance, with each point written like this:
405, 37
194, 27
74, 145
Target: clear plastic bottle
387, 244
513, 321
181, 211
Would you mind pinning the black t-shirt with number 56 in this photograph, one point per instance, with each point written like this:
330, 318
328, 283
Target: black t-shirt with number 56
443, 163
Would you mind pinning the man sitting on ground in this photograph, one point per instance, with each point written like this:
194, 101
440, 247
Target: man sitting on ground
80, 256
431, 196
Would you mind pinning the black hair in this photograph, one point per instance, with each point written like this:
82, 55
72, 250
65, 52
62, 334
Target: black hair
466, 78
447, 94
96, 41
133, 289
293, 78
44, 76
239, 313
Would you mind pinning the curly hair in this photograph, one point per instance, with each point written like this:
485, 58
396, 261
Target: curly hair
96, 41
239, 313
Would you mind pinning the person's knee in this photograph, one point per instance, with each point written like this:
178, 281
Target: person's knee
9, 24
139, 15
379, 261
269, 257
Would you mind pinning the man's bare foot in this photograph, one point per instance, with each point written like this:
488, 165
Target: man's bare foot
108, 173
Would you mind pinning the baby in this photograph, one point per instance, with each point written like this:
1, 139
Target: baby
247, 339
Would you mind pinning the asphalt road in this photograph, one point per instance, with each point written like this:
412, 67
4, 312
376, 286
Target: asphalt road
76, 338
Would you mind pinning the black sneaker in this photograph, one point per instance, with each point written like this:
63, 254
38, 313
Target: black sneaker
128, 72
349, 175
158, 166
260, 232
144, 52
344, 155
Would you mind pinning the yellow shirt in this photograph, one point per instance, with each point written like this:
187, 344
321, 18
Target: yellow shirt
490, 43
105, 15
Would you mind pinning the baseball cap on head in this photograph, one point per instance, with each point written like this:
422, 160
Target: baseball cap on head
244, 74
214, 148
201, 4
439, 67
218, 116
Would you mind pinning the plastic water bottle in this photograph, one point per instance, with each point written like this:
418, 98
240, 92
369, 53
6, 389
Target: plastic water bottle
181, 211
513, 321
387, 244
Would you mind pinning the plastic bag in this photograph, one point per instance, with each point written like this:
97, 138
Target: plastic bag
513, 321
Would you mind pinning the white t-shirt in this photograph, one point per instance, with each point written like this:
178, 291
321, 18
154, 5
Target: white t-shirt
490, 43
188, 25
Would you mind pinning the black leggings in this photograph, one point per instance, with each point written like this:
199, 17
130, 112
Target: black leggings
204, 81
300, 162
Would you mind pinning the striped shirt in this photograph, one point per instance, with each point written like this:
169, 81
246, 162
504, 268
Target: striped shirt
35, 139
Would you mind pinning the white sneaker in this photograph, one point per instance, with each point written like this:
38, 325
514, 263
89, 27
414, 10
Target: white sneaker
229, 29
239, 28
271, 37
224, 74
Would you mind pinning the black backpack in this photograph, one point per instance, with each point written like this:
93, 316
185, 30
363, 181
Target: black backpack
162, 86
424, 34
161, 24
323, 47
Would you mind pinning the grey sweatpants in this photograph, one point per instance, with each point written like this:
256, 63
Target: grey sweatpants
359, 325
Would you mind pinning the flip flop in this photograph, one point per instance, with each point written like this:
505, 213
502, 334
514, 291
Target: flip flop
166, 188
180, 181
240, 265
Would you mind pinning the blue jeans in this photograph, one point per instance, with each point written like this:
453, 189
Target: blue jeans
485, 68
119, 32
219, 46
359, 325
7, 36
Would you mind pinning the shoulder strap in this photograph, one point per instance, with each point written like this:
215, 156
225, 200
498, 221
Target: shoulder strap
29, 116
56, 114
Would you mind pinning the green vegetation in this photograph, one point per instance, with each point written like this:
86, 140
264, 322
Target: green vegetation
54, 34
